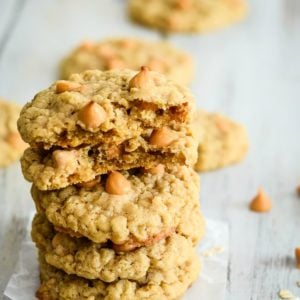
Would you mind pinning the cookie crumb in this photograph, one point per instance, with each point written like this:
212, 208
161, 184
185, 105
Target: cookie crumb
286, 294
261, 202
213, 251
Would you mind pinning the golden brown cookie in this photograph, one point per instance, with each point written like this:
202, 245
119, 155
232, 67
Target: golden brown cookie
149, 205
89, 260
108, 107
11, 143
222, 142
131, 53
57, 285
187, 15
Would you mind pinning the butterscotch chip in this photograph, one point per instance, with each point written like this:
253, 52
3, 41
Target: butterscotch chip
67, 86
221, 141
154, 204
11, 143
162, 137
91, 116
160, 283
86, 259
130, 53
261, 202
142, 79
117, 184
106, 108
187, 15
297, 255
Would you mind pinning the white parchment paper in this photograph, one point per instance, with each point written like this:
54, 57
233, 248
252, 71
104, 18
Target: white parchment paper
211, 284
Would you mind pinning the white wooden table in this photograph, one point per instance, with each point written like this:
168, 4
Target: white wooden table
250, 72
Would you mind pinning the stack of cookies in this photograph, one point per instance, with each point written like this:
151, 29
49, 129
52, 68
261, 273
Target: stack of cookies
111, 162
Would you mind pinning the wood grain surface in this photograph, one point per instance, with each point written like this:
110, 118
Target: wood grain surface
250, 72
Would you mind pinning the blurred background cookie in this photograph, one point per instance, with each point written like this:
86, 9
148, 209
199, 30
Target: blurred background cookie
222, 142
186, 15
11, 143
129, 53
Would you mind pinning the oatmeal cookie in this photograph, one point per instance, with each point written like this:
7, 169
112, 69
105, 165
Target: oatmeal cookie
128, 207
108, 107
222, 142
129, 53
187, 15
11, 143
57, 285
57, 168
89, 260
